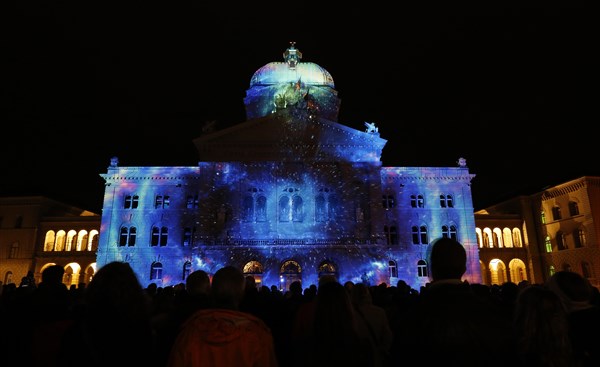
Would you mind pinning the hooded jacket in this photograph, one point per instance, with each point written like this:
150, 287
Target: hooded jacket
220, 337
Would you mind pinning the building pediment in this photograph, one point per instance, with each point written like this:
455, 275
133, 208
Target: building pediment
287, 136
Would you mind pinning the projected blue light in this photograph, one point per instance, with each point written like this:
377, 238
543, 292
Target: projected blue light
290, 194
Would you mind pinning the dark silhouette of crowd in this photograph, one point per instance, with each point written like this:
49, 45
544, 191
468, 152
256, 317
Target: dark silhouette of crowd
230, 320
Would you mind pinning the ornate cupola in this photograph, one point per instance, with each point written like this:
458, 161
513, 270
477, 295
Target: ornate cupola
289, 84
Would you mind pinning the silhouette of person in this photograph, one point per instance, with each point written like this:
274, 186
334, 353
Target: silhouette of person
193, 297
577, 294
333, 336
542, 329
224, 335
449, 324
114, 328
375, 319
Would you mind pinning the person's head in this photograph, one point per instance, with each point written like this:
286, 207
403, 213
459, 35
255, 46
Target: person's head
115, 283
349, 285
447, 260
541, 325
53, 274
115, 289
228, 287
251, 284
574, 290
296, 288
333, 311
361, 294
197, 283
328, 278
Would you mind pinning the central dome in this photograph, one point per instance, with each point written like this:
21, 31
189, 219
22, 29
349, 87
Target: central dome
291, 71
291, 84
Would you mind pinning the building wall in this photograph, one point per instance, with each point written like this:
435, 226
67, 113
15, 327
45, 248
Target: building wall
353, 240
24, 223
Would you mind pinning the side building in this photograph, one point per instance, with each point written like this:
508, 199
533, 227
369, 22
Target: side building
289, 194
36, 232
531, 237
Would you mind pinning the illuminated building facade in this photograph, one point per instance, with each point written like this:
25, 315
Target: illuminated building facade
36, 232
531, 237
289, 194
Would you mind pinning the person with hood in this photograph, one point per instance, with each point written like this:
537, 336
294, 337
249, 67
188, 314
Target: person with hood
224, 335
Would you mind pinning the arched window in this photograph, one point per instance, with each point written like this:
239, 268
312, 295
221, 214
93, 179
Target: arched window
14, 250
187, 269
320, 209
189, 234
422, 269
573, 208
548, 244
507, 237
560, 241
92, 244
297, 209
516, 236
248, 209
261, 208
393, 267
60, 240
388, 201
160, 236
70, 240
586, 270
49, 241
82, 240
131, 201
417, 201
449, 231
156, 271
556, 213
391, 235
579, 238
419, 235
284, 209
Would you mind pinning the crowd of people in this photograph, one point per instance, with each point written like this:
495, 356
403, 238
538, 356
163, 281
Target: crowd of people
228, 320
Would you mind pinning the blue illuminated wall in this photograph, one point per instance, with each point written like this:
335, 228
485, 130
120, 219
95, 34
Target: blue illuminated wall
288, 194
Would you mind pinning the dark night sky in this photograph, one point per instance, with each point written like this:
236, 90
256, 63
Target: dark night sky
496, 85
